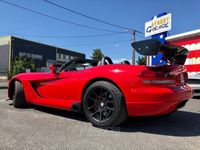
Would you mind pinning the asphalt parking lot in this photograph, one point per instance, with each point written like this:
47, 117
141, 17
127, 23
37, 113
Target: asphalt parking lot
46, 129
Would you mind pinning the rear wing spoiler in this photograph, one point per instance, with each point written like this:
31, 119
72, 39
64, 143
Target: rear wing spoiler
172, 54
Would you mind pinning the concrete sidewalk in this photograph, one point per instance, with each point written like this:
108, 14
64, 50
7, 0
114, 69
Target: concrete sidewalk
3, 84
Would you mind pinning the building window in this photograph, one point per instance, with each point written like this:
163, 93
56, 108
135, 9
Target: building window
58, 56
64, 56
61, 56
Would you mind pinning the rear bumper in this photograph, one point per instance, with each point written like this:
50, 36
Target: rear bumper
155, 101
195, 89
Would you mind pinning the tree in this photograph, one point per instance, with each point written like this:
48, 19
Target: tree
20, 64
97, 54
141, 60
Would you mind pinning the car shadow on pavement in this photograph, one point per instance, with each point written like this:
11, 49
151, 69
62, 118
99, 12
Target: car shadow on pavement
62, 113
181, 123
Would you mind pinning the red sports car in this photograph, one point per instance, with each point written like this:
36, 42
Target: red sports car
108, 93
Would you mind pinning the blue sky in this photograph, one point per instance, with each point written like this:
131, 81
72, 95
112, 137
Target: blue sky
129, 13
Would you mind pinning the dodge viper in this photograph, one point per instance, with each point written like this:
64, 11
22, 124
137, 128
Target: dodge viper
108, 93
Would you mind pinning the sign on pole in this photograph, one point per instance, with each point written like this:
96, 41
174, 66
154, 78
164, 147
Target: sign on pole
158, 29
158, 25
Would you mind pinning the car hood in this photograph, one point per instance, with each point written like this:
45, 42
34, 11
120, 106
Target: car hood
172, 54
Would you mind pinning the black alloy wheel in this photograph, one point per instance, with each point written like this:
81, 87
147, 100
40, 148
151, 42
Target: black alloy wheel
103, 104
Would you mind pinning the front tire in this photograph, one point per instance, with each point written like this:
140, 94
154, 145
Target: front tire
103, 105
19, 100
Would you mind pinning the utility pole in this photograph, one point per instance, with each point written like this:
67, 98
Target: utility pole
133, 32
133, 50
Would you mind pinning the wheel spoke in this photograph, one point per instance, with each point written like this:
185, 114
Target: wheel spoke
94, 113
100, 116
108, 108
92, 98
94, 94
91, 107
101, 92
109, 101
105, 94
106, 115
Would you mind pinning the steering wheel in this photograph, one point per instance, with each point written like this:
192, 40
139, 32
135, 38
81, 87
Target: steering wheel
104, 61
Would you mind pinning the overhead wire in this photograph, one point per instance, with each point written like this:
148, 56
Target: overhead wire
95, 44
77, 45
77, 36
55, 18
63, 37
92, 18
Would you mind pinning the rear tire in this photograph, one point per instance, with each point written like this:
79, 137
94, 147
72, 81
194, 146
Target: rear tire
103, 105
19, 100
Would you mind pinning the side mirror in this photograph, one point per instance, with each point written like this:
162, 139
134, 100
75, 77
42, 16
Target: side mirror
53, 69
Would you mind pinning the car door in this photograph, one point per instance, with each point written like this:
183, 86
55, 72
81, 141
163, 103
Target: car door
66, 85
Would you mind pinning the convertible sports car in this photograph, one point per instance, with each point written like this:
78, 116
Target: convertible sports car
108, 93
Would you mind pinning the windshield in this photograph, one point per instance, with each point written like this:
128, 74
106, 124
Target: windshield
76, 65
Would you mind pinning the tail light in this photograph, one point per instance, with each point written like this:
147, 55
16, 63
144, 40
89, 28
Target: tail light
166, 82
151, 74
167, 75
155, 77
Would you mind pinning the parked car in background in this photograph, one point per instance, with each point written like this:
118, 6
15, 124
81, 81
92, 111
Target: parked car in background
194, 82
